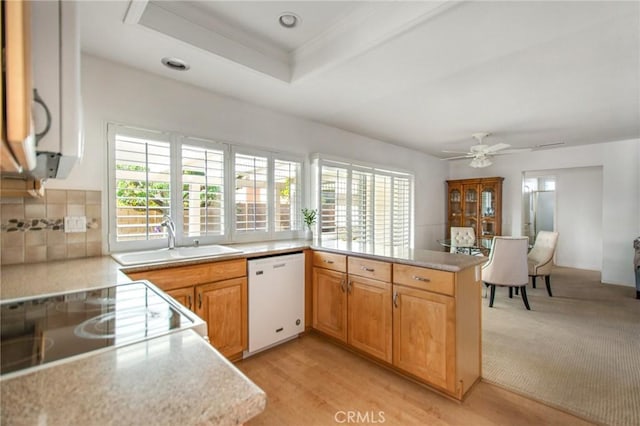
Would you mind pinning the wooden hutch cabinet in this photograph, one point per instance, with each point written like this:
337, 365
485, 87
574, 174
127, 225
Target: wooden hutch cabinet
476, 203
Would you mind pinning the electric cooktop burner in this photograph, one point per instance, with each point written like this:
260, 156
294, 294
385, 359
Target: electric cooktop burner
42, 330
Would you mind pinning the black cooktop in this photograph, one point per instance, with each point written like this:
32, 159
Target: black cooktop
41, 330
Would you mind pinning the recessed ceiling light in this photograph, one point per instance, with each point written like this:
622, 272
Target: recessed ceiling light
289, 20
175, 64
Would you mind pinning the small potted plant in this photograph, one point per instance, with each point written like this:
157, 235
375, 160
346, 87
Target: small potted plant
309, 217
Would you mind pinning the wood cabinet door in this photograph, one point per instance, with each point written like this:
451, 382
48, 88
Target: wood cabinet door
369, 316
330, 302
223, 305
424, 335
184, 296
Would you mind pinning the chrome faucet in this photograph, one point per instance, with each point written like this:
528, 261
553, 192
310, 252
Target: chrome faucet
171, 230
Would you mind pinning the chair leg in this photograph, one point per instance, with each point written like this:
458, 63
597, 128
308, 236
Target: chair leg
493, 295
547, 280
517, 289
510, 292
533, 281
524, 297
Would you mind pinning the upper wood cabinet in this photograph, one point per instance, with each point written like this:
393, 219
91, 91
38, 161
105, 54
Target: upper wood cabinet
475, 203
18, 150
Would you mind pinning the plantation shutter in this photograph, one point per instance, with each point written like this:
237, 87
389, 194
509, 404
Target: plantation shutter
251, 193
401, 212
202, 191
365, 205
362, 197
333, 203
142, 185
287, 195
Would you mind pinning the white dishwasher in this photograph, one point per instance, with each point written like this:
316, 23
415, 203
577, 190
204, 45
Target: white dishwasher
276, 300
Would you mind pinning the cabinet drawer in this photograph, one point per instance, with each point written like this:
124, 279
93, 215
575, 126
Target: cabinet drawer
183, 276
424, 278
335, 262
367, 268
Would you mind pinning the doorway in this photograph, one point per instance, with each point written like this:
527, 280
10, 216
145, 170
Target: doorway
538, 204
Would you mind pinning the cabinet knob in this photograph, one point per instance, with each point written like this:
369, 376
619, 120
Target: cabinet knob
327, 261
395, 299
199, 300
364, 268
189, 301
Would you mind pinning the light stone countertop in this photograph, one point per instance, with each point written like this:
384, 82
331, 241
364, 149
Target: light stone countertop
173, 379
176, 379
440, 260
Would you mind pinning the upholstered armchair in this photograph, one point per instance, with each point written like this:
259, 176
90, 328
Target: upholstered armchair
507, 267
540, 258
462, 237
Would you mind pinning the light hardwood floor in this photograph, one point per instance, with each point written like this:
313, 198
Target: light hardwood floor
311, 381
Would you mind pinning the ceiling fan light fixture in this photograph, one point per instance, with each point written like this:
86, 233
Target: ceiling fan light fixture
289, 20
480, 162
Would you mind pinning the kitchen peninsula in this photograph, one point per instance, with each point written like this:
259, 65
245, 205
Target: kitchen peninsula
165, 377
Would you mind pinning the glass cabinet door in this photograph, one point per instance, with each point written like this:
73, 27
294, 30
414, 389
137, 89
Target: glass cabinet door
470, 202
455, 207
488, 206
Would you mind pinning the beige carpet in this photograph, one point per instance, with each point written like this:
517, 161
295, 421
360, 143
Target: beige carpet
578, 351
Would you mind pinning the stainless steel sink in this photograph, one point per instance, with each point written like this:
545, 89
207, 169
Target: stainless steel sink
178, 253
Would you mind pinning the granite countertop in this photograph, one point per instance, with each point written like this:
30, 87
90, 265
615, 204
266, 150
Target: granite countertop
168, 380
28, 280
161, 380
441, 260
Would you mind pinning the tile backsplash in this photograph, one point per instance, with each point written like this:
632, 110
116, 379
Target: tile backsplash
32, 229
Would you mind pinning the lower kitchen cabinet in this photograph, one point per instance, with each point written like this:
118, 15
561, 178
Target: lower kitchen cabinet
424, 343
330, 302
223, 305
369, 317
422, 322
352, 308
184, 296
216, 292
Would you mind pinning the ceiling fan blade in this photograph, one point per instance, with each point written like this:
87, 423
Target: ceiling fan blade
458, 157
513, 151
497, 147
457, 152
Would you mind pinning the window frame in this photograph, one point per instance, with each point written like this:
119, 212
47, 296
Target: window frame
176, 141
270, 233
177, 213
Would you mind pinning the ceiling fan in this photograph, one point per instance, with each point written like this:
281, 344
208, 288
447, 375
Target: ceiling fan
481, 154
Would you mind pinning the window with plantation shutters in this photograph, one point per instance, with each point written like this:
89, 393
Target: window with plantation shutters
203, 191
213, 192
365, 205
142, 185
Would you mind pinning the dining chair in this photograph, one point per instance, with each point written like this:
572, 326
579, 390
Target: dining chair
540, 258
507, 267
462, 236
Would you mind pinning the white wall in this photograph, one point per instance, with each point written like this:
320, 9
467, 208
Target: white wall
113, 92
579, 217
620, 162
